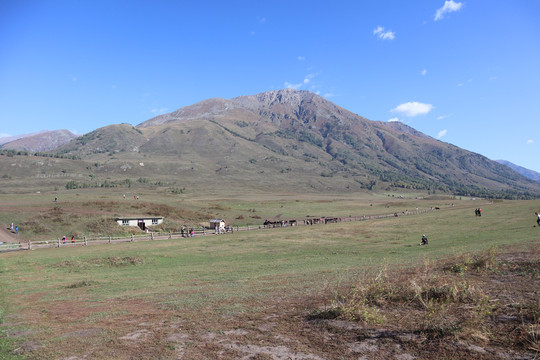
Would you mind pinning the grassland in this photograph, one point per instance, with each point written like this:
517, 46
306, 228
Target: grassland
263, 294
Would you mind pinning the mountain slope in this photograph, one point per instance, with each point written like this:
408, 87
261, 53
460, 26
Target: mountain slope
296, 140
42, 141
392, 153
530, 174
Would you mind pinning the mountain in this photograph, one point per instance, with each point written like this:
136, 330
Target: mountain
292, 140
530, 174
7, 139
42, 141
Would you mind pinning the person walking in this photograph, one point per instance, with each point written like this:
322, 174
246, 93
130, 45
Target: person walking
537, 218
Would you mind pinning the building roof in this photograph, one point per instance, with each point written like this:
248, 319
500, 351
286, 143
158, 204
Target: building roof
138, 217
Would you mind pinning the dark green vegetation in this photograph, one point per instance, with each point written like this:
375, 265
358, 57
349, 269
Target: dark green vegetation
276, 141
330, 291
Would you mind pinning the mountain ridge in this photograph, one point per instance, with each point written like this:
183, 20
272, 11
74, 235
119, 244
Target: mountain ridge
292, 139
41, 141
530, 174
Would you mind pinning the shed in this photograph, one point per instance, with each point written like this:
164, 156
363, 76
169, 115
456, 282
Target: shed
218, 225
141, 221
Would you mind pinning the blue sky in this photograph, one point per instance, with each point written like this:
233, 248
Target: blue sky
465, 72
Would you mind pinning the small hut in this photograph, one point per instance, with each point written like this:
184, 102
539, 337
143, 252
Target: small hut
218, 225
141, 221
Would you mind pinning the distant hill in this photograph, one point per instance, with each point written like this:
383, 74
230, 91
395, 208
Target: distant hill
291, 140
7, 139
530, 174
42, 141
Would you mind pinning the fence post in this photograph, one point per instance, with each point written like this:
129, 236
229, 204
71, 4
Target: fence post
248, 227
131, 237
58, 242
170, 235
85, 243
151, 236
109, 239
29, 245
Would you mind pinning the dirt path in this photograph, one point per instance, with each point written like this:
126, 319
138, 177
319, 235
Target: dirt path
6, 236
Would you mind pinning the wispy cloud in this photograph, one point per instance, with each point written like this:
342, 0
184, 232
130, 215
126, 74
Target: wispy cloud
448, 7
307, 80
4, 135
530, 141
424, 72
442, 117
288, 85
441, 133
394, 119
301, 58
383, 34
413, 108
159, 111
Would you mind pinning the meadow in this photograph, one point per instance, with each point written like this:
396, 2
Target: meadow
262, 294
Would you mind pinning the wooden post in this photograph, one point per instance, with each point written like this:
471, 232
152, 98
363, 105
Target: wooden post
131, 237
170, 235
151, 236
109, 239
58, 242
29, 245
85, 243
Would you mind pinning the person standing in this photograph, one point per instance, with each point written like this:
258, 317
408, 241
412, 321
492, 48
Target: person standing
537, 218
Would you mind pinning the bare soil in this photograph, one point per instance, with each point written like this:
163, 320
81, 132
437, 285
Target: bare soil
7, 236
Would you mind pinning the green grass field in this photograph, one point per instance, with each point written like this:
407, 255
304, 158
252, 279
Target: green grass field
106, 290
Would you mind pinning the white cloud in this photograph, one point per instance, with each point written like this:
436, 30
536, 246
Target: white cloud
424, 72
448, 7
307, 80
159, 111
288, 85
413, 108
441, 133
329, 95
394, 119
4, 135
384, 35
301, 58
442, 117
530, 141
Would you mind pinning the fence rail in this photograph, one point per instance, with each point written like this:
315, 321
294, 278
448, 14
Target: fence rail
152, 236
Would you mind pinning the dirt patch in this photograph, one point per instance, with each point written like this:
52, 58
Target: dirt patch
6, 236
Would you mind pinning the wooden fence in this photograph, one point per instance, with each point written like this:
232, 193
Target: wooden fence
154, 236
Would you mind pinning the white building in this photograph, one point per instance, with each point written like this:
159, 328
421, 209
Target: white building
218, 225
141, 221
